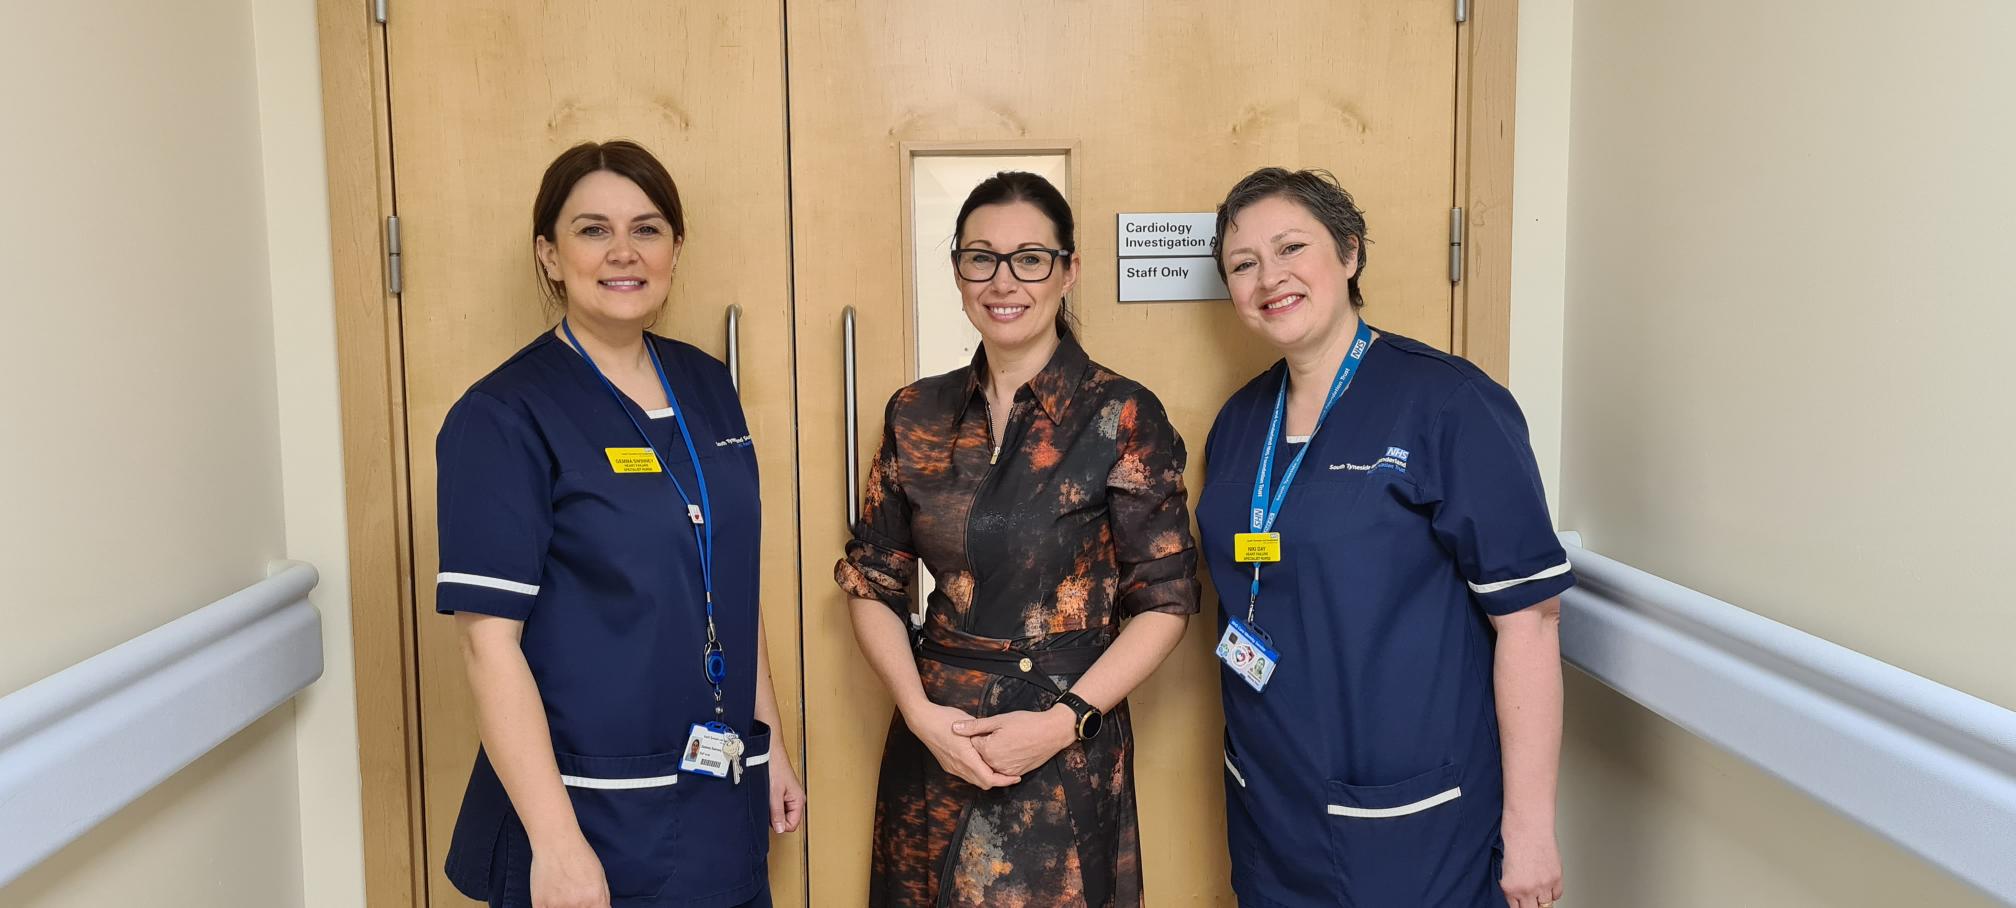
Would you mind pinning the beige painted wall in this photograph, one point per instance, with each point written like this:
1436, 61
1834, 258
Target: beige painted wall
156, 155
1784, 322
1540, 226
302, 290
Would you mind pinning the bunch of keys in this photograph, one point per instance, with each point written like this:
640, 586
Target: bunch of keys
732, 749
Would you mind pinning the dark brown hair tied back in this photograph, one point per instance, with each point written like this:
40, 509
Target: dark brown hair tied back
621, 157
1319, 193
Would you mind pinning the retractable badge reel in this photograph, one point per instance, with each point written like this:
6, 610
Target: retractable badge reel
713, 748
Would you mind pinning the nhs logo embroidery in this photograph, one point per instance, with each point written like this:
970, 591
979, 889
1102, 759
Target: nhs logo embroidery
1395, 459
736, 442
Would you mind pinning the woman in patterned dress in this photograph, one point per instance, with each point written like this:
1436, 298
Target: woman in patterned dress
1045, 493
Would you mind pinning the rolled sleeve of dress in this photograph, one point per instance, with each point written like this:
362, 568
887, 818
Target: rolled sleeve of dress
1150, 513
881, 563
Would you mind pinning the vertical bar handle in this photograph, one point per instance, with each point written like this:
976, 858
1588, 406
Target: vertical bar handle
853, 426
1455, 245
735, 345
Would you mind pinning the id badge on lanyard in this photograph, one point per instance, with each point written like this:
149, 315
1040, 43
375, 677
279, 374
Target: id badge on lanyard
713, 750
1245, 649
1248, 653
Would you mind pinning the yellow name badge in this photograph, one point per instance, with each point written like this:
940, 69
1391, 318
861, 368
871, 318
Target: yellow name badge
1251, 548
633, 460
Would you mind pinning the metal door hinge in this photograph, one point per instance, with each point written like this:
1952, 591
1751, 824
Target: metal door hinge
1455, 245
378, 10
393, 279
1462, 10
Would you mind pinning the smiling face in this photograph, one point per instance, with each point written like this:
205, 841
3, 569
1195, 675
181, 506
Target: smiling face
1288, 283
1011, 313
612, 250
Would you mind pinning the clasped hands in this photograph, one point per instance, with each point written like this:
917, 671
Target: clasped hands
994, 751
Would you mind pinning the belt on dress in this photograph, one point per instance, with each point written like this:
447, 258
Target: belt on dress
1033, 666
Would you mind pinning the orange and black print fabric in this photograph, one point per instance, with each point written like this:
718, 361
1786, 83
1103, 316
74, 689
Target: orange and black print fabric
1078, 521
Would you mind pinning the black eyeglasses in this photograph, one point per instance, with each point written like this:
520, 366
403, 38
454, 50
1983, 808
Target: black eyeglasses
1028, 265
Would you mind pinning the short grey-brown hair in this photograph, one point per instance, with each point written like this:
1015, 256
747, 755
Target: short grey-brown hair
1319, 193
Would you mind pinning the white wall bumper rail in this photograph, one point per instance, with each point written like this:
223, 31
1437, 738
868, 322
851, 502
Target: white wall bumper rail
77, 746
1923, 765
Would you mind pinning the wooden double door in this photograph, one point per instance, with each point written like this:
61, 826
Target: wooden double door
795, 132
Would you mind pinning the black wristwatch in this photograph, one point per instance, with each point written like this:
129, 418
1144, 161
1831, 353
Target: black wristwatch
1089, 717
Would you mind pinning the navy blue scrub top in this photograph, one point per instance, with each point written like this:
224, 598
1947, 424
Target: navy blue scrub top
1368, 771
537, 526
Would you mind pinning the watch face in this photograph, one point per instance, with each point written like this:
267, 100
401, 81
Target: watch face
1088, 725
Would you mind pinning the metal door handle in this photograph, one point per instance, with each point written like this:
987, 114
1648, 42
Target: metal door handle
853, 426
735, 345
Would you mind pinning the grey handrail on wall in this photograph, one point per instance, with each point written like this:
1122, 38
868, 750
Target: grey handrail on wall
77, 746
1923, 765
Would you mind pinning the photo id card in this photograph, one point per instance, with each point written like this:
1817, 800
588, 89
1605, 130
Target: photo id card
706, 751
1247, 653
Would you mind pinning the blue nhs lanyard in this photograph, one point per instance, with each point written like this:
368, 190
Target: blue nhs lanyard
1265, 509
713, 661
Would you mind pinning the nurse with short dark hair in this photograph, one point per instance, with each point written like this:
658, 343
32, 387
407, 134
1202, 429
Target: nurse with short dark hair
600, 524
1374, 522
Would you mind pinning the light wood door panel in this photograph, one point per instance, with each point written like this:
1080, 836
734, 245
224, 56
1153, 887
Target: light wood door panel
484, 94
1164, 105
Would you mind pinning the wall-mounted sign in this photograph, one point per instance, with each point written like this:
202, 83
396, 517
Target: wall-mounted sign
1168, 257
1182, 233
1164, 279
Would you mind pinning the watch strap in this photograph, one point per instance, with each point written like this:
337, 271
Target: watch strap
1081, 709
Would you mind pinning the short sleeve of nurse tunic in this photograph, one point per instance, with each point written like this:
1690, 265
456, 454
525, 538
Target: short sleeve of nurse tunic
1416, 515
537, 524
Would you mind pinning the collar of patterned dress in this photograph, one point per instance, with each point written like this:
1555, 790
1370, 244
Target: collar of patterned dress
1053, 387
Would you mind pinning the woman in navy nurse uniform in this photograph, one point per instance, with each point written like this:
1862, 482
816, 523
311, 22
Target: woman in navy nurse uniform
599, 536
1391, 673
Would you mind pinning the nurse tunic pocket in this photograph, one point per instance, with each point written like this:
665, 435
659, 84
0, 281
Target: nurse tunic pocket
1390, 843
1243, 836
627, 810
756, 786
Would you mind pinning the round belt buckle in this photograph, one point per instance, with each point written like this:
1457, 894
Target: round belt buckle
1027, 664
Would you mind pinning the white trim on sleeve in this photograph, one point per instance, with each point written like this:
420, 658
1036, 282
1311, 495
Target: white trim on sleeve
1234, 770
757, 760
1554, 571
619, 784
1380, 813
509, 586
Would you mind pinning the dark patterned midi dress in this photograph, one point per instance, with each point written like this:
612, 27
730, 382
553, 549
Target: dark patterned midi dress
1039, 551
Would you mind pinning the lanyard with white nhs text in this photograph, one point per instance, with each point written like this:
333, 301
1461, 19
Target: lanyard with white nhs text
1261, 544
